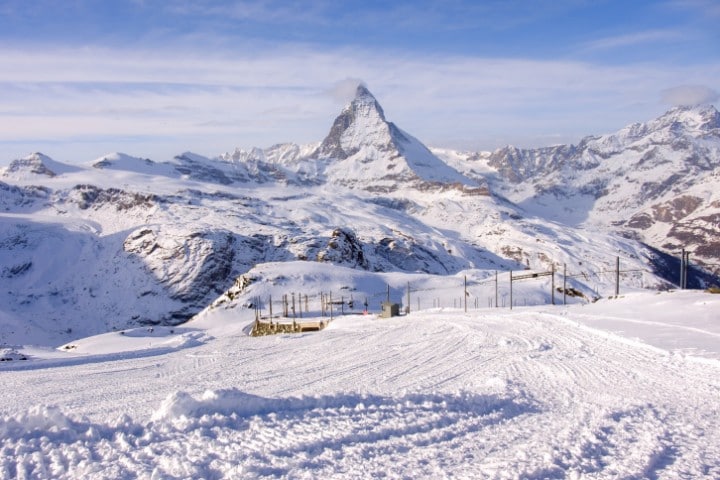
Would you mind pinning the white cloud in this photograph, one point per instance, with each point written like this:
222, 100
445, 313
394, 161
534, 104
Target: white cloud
689, 95
344, 90
262, 11
224, 100
636, 38
706, 8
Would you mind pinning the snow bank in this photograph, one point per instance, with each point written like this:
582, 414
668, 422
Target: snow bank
227, 433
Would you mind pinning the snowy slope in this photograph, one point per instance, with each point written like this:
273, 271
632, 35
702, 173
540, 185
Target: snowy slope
533, 393
161, 252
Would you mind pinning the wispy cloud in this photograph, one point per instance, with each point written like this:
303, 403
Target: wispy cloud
635, 38
261, 11
705, 8
689, 95
417, 15
213, 103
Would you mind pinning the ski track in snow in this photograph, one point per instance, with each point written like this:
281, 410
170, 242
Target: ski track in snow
433, 395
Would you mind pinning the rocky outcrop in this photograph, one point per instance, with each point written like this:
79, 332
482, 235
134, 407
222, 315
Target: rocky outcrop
194, 267
90, 196
343, 248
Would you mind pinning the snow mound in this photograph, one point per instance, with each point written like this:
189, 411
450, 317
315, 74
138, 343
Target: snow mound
229, 433
124, 162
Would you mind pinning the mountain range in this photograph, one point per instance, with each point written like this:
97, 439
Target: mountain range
122, 241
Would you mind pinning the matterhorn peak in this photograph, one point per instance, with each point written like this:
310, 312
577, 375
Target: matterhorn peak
360, 122
363, 97
368, 150
362, 91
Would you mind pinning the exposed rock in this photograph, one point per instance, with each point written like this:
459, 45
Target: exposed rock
90, 196
343, 248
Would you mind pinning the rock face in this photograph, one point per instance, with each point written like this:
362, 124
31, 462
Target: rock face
193, 267
344, 248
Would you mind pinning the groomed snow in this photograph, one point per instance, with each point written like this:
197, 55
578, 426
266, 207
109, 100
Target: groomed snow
581, 391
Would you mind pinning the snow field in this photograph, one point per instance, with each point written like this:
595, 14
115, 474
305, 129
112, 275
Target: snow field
531, 393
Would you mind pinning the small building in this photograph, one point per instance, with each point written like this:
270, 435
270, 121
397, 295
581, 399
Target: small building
390, 310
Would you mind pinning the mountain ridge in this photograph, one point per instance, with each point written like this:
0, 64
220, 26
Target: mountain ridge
655, 181
157, 242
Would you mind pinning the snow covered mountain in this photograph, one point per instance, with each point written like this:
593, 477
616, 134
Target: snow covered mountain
124, 241
658, 182
364, 150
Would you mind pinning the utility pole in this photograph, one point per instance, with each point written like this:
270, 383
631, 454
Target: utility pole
510, 289
408, 298
682, 269
466, 294
617, 276
496, 290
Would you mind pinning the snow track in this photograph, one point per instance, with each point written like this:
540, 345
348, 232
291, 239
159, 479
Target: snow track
435, 394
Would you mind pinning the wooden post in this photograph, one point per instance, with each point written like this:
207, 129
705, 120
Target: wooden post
564, 283
270, 305
552, 285
617, 276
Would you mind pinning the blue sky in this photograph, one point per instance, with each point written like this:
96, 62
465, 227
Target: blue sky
82, 78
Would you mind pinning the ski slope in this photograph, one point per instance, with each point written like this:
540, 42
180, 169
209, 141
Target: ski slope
623, 388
